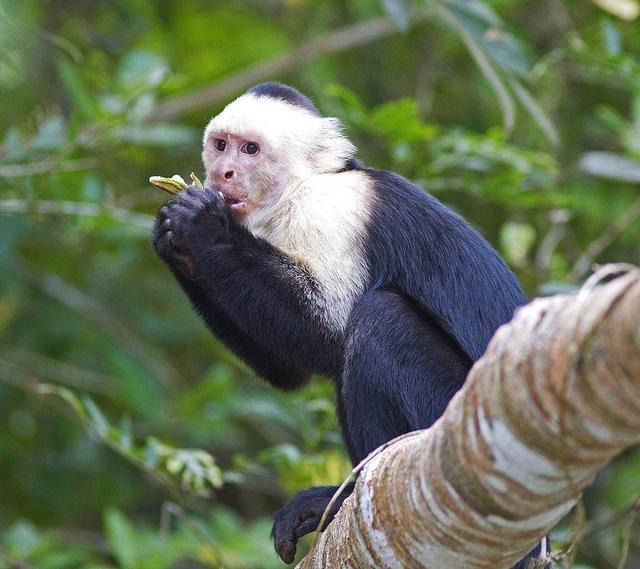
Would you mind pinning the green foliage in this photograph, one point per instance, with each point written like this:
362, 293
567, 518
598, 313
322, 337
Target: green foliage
523, 116
195, 469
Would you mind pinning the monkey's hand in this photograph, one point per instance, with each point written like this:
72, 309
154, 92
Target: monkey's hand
195, 215
302, 516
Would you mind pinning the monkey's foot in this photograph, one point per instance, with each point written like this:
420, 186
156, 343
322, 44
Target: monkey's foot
302, 516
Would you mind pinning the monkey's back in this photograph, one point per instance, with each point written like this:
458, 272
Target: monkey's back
422, 248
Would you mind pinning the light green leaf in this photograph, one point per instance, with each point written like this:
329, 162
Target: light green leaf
400, 120
79, 93
51, 135
99, 422
623, 9
67, 395
611, 166
516, 240
120, 532
20, 539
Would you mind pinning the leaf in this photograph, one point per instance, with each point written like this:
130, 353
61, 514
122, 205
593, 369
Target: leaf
400, 121
99, 422
350, 106
141, 69
517, 240
532, 106
399, 11
21, 539
51, 135
611, 37
611, 166
478, 10
488, 32
119, 532
504, 96
623, 9
79, 93
67, 395
507, 51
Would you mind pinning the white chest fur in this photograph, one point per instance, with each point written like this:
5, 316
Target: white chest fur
322, 224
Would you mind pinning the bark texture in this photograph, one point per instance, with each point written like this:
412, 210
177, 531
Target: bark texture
554, 398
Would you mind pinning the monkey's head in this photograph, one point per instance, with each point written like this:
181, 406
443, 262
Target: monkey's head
266, 143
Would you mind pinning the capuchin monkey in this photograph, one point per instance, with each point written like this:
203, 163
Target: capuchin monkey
303, 261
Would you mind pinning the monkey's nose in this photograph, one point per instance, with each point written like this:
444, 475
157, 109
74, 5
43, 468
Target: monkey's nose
228, 174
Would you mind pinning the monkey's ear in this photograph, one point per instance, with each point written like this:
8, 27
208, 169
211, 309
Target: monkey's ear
332, 148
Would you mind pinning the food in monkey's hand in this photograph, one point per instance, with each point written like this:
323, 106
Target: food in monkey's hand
175, 184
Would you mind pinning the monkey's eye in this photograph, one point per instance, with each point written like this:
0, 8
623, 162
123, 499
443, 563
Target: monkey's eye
250, 148
219, 144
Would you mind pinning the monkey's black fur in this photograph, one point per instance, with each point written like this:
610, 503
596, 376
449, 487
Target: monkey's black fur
276, 90
435, 295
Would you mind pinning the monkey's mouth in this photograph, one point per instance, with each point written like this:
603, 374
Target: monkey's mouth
235, 204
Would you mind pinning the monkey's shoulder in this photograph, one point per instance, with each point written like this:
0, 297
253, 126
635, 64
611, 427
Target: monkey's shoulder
335, 192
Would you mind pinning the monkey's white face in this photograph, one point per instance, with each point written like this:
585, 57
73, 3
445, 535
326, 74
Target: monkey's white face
259, 148
234, 162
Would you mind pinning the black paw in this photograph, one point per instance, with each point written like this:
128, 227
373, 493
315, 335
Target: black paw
181, 221
202, 207
167, 243
302, 516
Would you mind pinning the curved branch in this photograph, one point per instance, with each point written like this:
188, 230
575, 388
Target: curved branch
555, 397
611, 233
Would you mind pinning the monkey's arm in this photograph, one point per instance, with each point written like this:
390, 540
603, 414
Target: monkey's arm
243, 345
261, 294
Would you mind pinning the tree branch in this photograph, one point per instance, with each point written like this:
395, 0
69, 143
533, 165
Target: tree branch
339, 40
555, 397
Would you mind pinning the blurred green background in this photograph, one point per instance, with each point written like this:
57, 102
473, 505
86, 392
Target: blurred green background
524, 116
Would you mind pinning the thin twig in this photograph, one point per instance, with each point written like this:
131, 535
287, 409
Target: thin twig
595, 248
19, 361
46, 167
338, 40
596, 526
85, 538
580, 518
356, 469
12, 561
29, 31
172, 509
626, 532
92, 309
559, 219
160, 478
76, 208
